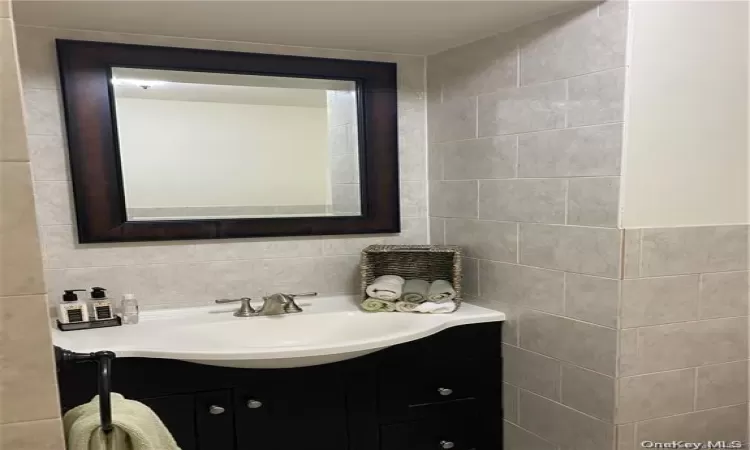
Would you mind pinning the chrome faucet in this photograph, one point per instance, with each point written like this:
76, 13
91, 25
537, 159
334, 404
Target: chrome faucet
273, 305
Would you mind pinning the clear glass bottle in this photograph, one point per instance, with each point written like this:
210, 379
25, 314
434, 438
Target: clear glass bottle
129, 309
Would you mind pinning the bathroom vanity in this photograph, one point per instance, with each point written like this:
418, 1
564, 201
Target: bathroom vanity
441, 391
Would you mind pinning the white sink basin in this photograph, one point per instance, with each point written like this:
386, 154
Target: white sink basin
330, 329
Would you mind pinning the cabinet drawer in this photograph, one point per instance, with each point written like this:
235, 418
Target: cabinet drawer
409, 394
431, 435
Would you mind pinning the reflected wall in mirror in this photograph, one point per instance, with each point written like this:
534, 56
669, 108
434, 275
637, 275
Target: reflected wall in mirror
171, 143
213, 145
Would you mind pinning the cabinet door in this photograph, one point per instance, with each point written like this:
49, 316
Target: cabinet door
214, 420
177, 412
300, 409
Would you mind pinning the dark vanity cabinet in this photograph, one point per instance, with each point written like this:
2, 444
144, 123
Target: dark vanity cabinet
440, 392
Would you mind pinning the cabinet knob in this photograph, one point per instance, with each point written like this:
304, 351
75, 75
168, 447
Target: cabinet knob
254, 404
445, 392
447, 444
216, 410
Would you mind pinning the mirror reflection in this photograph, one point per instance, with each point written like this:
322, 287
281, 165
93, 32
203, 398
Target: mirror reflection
214, 145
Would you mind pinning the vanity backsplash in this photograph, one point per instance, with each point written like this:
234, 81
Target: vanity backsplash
173, 274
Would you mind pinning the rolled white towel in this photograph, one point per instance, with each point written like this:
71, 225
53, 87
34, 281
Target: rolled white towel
441, 291
436, 308
377, 305
406, 306
386, 287
415, 291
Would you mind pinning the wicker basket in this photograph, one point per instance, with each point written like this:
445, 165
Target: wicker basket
426, 262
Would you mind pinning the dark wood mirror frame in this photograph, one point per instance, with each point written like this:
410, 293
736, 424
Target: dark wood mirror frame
85, 71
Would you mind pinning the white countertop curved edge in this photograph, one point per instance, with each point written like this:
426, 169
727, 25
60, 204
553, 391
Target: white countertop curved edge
133, 340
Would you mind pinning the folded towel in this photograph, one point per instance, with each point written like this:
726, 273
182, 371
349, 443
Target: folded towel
436, 308
441, 291
415, 291
406, 306
376, 305
386, 287
135, 427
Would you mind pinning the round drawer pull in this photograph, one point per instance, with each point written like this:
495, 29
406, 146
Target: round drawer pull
216, 410
445, 391
447, 444
254, 404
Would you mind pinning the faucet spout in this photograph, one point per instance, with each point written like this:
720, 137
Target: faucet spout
277, 304
274, 305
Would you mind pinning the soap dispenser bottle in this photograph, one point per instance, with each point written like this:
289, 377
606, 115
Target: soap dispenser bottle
100, 306
72, 310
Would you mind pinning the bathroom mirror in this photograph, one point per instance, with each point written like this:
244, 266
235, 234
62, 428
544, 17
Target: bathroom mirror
171, 143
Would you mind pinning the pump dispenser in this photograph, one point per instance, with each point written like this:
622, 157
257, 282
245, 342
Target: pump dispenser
100, 307
72, 310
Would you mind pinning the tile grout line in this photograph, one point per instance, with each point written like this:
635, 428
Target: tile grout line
518, 243
566, 406
695, 389
639, 327
545, 130
518, 402
658, 372
562, 361
518, 65
518, 158
733, 405
567, 199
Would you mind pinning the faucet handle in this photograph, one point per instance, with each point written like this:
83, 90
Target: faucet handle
291, 306
304, 294
245, 309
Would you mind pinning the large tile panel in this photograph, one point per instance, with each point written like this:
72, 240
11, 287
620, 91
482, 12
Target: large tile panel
592, 299
725, 424
520, 110
682, 345
27, 381
540, 201
472, 235
655, 395
654, 301
593, 251
522, 286
724, 295
453, 198
516, 438
564, 426
596, 98
532, 371
37, 435
589, 392
474, 159
20, 257
12, 129
671, 251
577, 152
572, 44
721, 385
453, 120
583, 344
480, 67
593, 201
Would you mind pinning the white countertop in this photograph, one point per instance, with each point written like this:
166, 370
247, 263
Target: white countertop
329, 329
